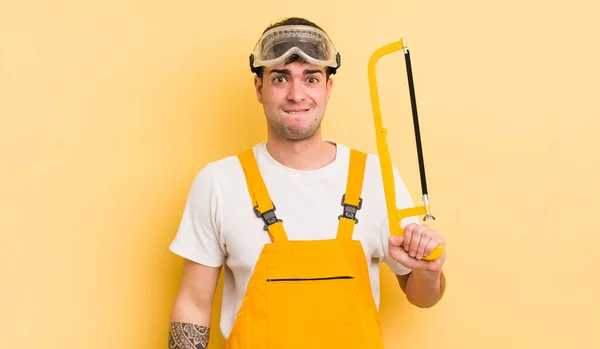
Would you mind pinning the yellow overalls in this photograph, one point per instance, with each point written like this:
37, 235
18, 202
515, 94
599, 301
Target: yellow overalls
308, 294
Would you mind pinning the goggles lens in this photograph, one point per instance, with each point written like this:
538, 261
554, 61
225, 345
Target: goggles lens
277, 44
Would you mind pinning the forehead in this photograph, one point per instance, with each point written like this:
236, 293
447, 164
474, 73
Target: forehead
296, 68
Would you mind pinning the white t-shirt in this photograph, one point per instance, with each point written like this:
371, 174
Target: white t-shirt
220, 227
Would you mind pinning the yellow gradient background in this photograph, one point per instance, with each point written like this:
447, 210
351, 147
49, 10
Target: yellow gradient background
108, 109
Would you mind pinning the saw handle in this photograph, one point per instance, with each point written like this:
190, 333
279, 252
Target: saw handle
418, 211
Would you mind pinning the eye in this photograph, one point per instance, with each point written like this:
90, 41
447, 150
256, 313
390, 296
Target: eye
313, 79
279, 79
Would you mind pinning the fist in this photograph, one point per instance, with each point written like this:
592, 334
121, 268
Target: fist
418, 242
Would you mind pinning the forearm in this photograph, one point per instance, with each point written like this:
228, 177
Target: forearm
190, 326
425, 290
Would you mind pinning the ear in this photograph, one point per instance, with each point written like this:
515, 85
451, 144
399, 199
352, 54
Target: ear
258, 83
329, 87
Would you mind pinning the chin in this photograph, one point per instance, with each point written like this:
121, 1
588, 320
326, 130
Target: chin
299, 133
295, 133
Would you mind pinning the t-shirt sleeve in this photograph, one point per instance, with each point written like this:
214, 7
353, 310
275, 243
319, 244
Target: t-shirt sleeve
403, 200
198, 237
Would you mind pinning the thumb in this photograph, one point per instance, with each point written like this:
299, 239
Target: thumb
396, 241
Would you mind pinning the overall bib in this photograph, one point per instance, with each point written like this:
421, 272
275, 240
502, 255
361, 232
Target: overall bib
308, 294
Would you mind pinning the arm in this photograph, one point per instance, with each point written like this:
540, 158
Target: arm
190, 318
424, 286
424, 291
422, 281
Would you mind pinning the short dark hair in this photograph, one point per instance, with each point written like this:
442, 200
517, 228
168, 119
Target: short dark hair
294, 57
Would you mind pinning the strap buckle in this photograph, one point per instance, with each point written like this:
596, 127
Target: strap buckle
350, 210
268, 217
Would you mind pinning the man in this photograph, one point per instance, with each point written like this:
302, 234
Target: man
299, 223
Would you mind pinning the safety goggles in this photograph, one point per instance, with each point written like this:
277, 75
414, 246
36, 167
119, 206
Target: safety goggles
277, 44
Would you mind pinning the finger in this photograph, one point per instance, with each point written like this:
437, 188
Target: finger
431, 245
403, 258
423, 243
398, 253
408, 232
416, 240
396, 241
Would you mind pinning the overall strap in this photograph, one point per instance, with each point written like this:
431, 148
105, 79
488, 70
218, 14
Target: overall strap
263, 206
351, 200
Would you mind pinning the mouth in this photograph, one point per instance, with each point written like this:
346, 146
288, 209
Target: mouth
295, 111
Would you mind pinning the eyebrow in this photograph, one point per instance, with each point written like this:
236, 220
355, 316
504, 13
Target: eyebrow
287, 71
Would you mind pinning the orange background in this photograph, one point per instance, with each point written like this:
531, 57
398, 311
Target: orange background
109, 109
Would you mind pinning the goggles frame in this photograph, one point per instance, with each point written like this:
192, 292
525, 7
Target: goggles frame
323, 38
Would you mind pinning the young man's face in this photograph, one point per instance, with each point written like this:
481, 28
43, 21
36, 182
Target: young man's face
294, 97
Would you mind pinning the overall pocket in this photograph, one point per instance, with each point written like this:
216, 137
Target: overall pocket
319, 312
311, 279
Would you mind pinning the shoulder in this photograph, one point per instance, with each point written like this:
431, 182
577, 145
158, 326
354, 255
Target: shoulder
373, 161
376, 173
216, 170
223, 170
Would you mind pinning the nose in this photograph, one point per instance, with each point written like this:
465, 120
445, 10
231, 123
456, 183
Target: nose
295, 92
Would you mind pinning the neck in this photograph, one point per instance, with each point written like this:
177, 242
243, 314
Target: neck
305, 155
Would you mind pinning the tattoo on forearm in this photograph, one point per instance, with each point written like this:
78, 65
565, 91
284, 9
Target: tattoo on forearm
188, 336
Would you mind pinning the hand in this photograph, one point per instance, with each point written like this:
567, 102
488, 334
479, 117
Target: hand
418, 241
